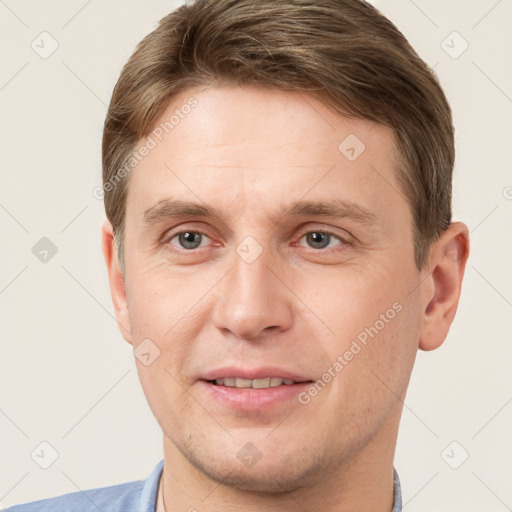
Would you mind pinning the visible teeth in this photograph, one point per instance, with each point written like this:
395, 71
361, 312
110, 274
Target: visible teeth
243, 383
268, 382
275, 381
261, 383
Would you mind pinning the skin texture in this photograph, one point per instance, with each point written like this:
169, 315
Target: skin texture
246, 152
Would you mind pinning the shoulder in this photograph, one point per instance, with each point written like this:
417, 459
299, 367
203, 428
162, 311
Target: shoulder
116, 498
127, 497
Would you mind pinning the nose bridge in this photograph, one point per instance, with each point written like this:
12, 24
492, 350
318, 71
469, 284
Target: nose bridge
252, 298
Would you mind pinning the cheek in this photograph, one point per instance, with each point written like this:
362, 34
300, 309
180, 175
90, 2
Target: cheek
351, 298
374, 330
389, 345
166, 308
373, 374
166, 397
158, 299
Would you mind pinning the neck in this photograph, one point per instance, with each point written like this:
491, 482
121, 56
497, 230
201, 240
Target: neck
363, 481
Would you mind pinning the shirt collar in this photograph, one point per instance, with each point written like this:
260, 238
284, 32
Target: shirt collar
397, 501
150, 490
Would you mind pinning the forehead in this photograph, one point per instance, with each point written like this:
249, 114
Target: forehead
254, 147
231, 117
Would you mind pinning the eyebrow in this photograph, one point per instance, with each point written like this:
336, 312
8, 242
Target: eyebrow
337, 208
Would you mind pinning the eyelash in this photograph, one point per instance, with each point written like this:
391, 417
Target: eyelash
170, 237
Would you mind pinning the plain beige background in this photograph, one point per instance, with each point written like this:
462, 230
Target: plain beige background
66, 375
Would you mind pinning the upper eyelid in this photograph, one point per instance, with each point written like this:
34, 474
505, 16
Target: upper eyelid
343, 239
304, 230
170, 234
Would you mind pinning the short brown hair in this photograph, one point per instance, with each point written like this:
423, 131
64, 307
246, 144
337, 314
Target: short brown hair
343, 51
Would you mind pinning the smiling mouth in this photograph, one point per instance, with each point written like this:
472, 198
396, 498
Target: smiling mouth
264, 383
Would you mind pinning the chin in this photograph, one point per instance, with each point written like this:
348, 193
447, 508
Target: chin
268, 475
257, 479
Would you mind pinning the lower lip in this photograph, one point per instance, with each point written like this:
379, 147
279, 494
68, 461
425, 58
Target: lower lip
251, 399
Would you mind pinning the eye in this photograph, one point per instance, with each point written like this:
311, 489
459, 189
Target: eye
189, 239
321, 239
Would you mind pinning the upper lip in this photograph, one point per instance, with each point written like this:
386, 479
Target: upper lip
254, 373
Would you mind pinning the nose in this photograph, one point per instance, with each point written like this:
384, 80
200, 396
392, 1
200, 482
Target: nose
252, 298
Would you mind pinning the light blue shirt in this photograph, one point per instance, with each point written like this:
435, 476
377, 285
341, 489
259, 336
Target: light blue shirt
139, 496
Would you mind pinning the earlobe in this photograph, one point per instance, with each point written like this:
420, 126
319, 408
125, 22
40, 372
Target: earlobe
116, 281
442, 288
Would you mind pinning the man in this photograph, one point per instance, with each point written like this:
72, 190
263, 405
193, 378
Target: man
279, 243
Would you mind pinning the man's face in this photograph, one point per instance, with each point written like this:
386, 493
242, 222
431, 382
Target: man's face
258, 286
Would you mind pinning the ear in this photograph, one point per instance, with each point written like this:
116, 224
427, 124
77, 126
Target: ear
441, 289
116, 281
